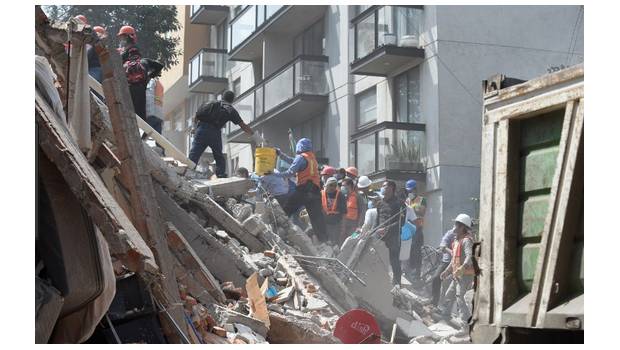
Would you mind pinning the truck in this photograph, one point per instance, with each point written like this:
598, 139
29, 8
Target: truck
530, 288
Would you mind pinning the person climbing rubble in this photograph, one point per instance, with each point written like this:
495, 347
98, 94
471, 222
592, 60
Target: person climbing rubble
307, 192
334, 207
460, 269
210, 118
355, 209
391, 216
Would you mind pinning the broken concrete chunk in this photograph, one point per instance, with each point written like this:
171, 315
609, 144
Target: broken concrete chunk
219, 331
266, 272
443, 330
276, 307
270, 253
222, 235
261, 260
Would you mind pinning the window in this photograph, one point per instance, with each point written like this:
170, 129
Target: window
365, 36
365, 155
366, 106
237, 86
310, 42
401, 149
361, 8
407, 97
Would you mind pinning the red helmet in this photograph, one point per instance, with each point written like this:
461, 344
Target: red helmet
82, 19
352, 171
129, 31
100, 31
328, 170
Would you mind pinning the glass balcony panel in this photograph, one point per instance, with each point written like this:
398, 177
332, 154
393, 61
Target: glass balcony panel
279, 89
194, 69
407, 96
402, 150
259, 93
365, 32
366, 155
243, 26
310, 77
271, 10
260, 15
194, 9
407, 25
245, 107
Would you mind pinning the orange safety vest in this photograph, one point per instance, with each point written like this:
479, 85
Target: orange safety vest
334, 208
457, 259
311, 173
352, 213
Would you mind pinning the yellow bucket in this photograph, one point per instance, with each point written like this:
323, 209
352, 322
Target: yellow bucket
264, 160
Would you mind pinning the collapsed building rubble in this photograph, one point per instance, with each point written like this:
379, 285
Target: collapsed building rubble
209, 268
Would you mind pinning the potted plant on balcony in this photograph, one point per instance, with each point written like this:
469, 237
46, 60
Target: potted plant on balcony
404, 156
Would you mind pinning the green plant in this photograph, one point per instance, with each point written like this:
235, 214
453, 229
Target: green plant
404, 152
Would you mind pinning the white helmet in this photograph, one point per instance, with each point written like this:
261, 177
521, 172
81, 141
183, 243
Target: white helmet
464, 219
363, 182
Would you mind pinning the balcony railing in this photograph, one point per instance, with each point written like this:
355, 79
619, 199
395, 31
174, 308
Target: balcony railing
246, 23
305, 75
208, 65
386, 25
390, 147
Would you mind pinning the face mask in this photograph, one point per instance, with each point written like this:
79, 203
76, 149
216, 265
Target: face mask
124, 42
370, 205
411, 195
344, 190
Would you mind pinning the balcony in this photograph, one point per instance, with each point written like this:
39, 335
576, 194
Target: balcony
386, 38
247, 30
293, 94
207, 71
208, 14
390, 150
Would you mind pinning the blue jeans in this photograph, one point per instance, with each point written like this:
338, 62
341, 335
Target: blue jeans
209, 136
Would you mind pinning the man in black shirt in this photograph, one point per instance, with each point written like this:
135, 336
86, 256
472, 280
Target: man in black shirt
211, 117
391, 218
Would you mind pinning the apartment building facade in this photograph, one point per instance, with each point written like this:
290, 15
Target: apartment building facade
392, 90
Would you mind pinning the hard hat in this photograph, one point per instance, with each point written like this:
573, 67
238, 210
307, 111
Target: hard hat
331, 180
328, 170
410, 185
129, 31
352, 170
363, 182
303, 145
464, 219
82, 19
100, 31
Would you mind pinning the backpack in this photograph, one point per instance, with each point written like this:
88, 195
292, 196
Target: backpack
134, 68
213, 113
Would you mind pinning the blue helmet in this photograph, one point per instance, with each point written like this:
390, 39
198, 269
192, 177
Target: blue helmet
303, 145
410, 185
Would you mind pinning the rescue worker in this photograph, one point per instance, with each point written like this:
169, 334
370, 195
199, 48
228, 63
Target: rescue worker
94, 66
307, 192
391, 215
210, 118
326, 173
355, 209
363, 189
352, 173
134, 69
461, 270
446, 256
418, 205
334, 207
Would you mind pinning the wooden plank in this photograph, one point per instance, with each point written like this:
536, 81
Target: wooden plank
130, 151
169, 148
124, 241
186, 255
499, 215
537, 104
483, 307
545, 242
558, 231
258, 305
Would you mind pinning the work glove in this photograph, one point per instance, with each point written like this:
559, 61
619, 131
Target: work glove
257, 138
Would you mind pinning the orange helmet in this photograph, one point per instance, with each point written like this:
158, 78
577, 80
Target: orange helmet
82, 19
129, 31
352, 171
100, 31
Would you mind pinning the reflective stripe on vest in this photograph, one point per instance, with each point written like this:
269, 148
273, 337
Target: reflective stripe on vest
457, 246
334, 208
352, 213
311, 172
